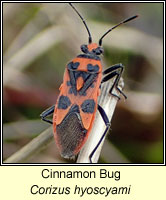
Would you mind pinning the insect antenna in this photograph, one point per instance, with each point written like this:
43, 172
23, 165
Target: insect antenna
123, 22
90, 38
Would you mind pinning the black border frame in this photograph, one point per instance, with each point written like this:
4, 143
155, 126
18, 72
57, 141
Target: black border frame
82, 164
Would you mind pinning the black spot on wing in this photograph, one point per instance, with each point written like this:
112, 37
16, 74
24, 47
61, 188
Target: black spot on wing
73, 66
88, 82
74, 108
85, 75
64, 102
82, 74
72, 82
68, 83
88, 106
77, 74
88, 77
92, 85
92, 68
71, 91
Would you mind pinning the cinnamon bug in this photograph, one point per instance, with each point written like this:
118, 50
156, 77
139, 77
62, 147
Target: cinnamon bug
76, 106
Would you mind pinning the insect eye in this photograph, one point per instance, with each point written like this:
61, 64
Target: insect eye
99, 51
84, 48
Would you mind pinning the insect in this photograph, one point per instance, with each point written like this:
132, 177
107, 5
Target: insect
76, 106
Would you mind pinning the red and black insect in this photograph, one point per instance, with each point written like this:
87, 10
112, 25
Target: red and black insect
76, 106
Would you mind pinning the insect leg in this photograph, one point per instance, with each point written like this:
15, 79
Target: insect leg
115, 70
107, 123
47, 112
112, 68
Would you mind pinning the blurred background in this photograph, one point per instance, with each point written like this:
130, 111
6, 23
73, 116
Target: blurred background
40, 38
